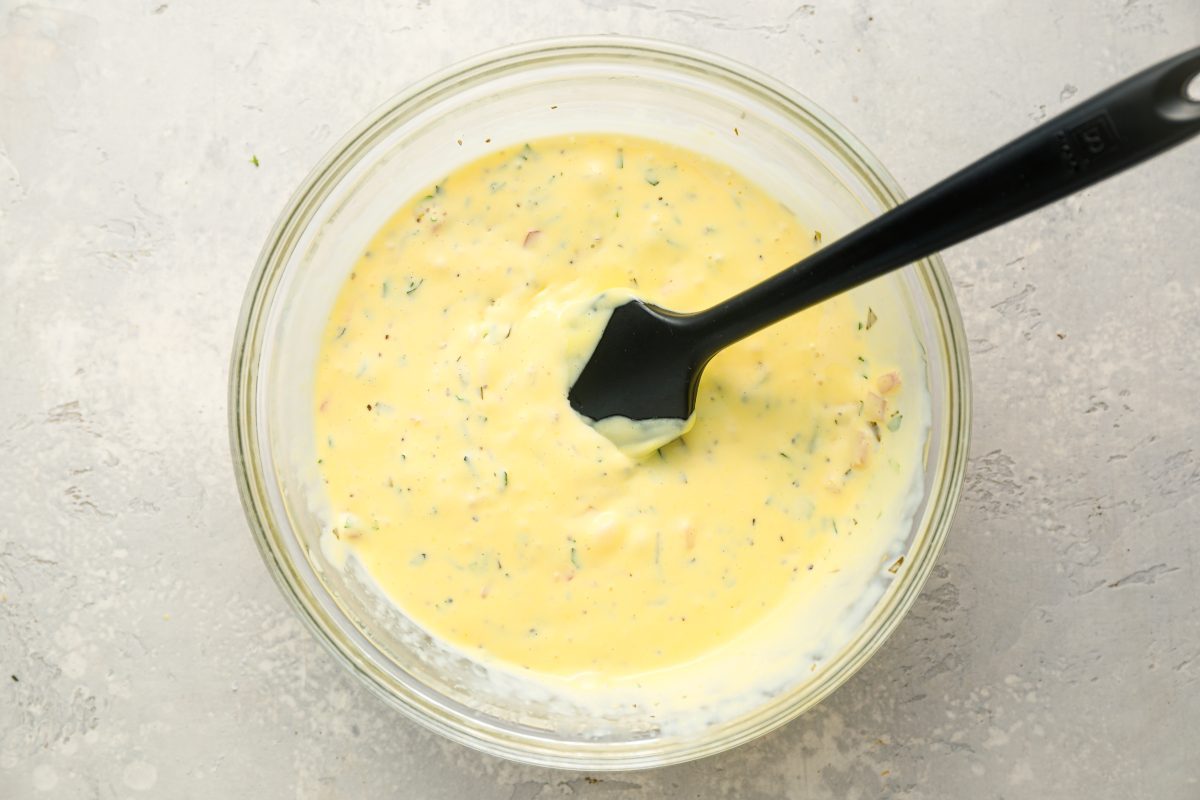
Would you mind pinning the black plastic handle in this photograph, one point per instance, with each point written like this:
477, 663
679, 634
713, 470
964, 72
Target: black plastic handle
1118, 128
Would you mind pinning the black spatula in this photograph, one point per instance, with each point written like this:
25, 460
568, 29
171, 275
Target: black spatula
648, 361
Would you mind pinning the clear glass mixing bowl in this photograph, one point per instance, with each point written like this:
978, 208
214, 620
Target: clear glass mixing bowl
600, 84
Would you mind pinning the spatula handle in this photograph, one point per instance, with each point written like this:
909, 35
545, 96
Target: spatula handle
1118, 128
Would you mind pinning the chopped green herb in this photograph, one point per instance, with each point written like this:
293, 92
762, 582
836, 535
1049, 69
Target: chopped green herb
651, 177
413, 285
620, 158
340, 332
427, 208
254, 160
383, 290
817, 237
871, 318
894, 422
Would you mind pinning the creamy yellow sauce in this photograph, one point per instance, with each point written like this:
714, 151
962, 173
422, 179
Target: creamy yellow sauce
493, 516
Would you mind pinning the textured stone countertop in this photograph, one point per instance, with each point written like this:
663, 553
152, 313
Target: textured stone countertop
144, 651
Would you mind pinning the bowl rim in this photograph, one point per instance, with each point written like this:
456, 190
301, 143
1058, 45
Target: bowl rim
244, 391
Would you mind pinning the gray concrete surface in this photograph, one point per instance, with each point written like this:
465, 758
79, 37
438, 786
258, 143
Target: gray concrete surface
144, 650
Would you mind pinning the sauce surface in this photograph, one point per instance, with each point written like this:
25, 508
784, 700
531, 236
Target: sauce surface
496, 518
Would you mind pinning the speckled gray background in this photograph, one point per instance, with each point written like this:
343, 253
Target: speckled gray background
1054, 653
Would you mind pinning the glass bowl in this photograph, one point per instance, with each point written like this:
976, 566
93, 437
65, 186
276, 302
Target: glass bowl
772, 135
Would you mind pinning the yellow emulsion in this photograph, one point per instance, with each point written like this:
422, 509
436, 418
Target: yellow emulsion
499, 520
